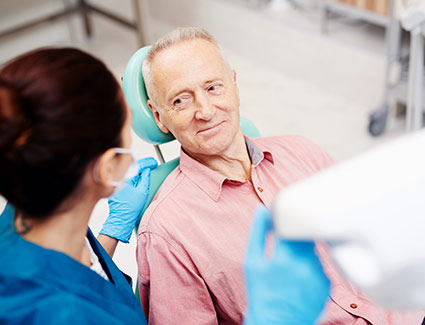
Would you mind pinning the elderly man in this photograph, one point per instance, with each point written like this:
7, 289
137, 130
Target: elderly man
193, 237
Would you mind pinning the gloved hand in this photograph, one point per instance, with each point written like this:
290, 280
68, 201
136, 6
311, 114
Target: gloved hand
126, 205
287, 288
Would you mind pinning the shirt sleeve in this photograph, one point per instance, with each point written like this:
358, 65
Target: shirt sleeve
171, 290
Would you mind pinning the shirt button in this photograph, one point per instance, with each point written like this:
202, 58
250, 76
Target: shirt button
354, 306
260, 189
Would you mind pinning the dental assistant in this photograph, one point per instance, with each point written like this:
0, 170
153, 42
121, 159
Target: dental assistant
65, 138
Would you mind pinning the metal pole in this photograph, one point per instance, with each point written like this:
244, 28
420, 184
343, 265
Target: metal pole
140, 22
416, 80
85, 16
111, 16
324, 17
159, 154
38, 22
392, 45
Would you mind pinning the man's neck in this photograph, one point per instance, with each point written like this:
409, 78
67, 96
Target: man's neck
63, 231
234, 163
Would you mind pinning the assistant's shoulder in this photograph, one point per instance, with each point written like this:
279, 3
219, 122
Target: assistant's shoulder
295, 147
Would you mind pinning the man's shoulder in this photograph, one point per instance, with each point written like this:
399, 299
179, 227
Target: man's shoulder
285, 141
295, 148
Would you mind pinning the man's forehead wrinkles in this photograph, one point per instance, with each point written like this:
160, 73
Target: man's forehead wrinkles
186, 67
191, 86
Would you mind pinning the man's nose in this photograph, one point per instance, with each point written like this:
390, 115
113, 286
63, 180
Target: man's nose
205, 108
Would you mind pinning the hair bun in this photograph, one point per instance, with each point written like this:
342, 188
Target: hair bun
14, 126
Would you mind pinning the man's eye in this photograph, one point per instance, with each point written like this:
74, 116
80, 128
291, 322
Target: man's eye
215, 89
181, 102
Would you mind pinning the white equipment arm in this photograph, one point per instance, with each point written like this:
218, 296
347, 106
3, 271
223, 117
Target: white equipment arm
371, 209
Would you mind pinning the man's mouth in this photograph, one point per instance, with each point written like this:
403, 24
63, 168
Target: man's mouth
210, 127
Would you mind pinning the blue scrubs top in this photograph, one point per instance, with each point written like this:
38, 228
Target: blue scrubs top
44, 286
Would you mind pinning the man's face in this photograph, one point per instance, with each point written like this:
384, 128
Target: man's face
196, 96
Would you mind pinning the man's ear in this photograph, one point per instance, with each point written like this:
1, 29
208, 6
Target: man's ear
235, 84
234, 76
157, 117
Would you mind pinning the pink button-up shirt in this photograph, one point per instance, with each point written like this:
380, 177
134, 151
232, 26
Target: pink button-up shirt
193, 238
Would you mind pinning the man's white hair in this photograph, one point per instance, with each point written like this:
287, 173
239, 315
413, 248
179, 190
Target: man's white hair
174, 37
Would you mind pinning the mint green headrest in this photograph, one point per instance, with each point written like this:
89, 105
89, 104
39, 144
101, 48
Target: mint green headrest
135, 93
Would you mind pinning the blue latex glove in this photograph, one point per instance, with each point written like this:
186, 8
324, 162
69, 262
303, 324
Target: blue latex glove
126, 205
287, 288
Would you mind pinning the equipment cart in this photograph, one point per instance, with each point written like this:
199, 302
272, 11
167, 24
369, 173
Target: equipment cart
404, 70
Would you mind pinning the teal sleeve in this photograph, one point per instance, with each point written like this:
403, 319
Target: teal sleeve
6, 218
68, 309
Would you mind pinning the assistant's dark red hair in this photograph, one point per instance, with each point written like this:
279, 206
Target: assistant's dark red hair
59, 110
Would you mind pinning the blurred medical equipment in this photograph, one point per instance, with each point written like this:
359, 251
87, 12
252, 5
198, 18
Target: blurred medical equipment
377, 12
385, 13
371, 209
85, 9
288, 287
404, 71
413, 20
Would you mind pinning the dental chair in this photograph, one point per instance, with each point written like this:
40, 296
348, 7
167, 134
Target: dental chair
144, 123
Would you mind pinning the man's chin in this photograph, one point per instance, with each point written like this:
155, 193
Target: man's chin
211, 146
204, 149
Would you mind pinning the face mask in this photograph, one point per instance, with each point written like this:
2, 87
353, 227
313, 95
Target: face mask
132, 170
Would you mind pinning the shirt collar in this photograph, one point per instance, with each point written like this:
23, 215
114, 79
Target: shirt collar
211, 181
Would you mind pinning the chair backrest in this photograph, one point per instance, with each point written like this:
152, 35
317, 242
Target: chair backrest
144, 123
